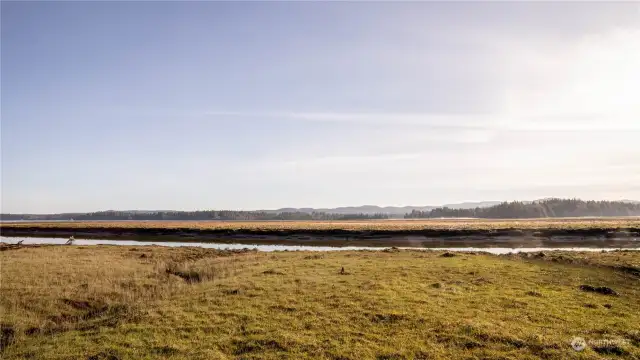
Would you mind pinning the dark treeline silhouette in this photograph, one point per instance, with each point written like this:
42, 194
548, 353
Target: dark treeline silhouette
193, 215
536, 209
505, 210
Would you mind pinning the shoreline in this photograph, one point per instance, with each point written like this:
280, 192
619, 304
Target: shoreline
420, 238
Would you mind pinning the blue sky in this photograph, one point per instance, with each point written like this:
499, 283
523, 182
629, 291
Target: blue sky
249, 105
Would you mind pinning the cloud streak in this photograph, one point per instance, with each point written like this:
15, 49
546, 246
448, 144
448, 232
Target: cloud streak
559, 121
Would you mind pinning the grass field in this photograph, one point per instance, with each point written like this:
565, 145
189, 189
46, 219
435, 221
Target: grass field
118, 302
378, 225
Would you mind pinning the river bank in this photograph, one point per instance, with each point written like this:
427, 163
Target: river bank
534, 233
14, 243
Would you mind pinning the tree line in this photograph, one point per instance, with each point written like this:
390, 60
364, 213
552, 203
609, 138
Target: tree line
535, 209
506, 210
194, 215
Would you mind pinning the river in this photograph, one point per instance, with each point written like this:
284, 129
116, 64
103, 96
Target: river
277, 247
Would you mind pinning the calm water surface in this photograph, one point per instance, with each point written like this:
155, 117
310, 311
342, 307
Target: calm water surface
275, 247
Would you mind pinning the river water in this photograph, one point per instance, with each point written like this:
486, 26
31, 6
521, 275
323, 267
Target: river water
276, 247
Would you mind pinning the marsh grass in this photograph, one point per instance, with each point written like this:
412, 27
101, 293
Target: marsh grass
201, 270
621, 223
110, 302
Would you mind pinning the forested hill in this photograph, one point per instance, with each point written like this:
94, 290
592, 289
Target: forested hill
537, 209
192, 215
505, 210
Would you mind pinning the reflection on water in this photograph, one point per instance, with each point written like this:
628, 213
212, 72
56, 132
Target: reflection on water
61, 241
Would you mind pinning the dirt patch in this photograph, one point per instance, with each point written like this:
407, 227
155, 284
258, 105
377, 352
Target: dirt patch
272, 272
283, 308
81, 304
89, 315
481, 281
90, 309
507, 340
391, 357
105, 355
5, 247
190, 276
32, 331
183, 255
609, 349
164, 350
7, 335
600, 290
252, 346
339, 357
465, 342
231, 291
563, 259
386, 318
633, 270
448, 255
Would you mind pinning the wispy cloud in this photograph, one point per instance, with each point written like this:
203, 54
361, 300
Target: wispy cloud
550, 121
468, 121
432, 102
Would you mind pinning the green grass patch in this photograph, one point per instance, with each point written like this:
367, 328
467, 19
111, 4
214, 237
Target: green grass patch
108, 302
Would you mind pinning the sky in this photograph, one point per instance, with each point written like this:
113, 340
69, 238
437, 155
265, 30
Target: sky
261, 105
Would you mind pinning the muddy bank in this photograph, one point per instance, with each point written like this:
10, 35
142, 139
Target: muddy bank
598, 237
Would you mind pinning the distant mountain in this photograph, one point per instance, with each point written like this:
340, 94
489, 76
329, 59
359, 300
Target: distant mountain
472, 205
364, 209
389, 210
553, 207
141, 211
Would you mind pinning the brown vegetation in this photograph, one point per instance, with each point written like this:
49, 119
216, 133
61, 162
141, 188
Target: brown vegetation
110, 302
601, 232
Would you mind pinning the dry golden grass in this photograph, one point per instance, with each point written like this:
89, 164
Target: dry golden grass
378, 225
118, 302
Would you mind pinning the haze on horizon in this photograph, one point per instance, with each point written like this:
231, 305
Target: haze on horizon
264, 105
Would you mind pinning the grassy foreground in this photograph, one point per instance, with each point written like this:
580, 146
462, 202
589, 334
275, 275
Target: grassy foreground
117, 302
